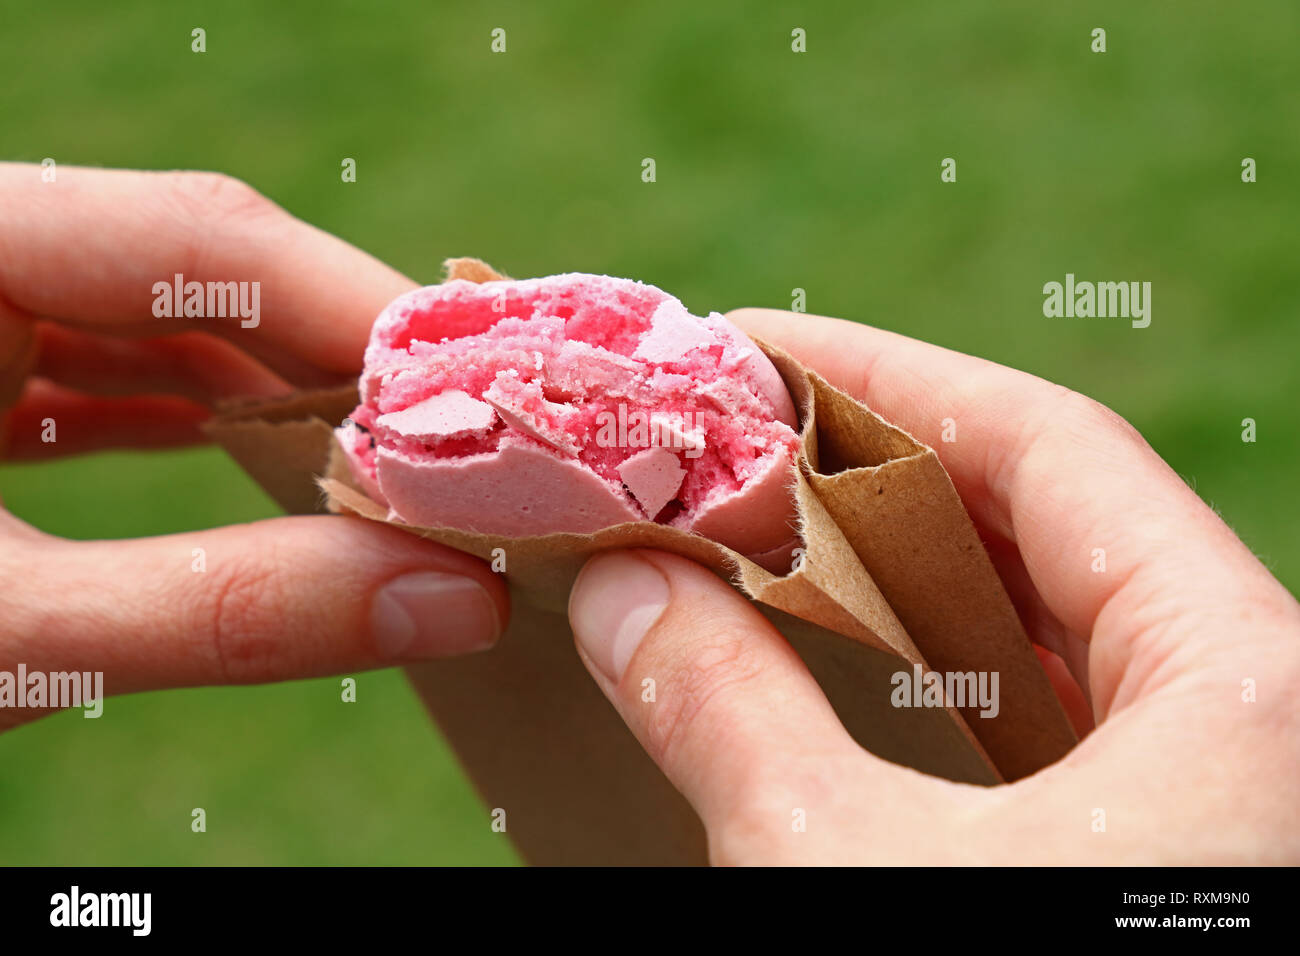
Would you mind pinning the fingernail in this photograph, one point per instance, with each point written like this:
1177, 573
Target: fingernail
431, 614
617, 598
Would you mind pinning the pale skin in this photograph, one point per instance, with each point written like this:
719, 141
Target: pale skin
281, 599
1184, 769
1161, 642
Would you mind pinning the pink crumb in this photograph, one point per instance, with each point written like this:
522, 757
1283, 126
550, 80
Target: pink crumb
653, 476
449, 414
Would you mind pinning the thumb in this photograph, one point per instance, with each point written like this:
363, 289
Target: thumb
710, 688
273, 600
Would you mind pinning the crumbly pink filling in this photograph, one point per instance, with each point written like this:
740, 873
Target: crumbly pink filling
593, 369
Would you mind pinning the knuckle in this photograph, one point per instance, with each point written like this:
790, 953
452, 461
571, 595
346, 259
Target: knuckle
700, 678
1089, 416
242, 608
204, 195
1060, 417
211, 209
214, 209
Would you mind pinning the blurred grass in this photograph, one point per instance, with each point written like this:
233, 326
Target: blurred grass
774, 171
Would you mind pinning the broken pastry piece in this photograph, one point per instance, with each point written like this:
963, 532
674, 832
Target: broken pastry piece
568, 404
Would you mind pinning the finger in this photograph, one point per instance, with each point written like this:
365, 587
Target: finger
713, 692
193, 365
1039, 622
1073, 699
274, 600
17, 355
91, 246
50, 421
1115, 542
290, 368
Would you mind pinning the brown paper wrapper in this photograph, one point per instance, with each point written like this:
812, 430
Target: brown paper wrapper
893, 575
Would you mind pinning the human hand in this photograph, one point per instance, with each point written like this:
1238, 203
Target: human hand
1185, 769
80, 344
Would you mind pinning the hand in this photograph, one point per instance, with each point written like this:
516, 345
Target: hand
80, 344
1184, 768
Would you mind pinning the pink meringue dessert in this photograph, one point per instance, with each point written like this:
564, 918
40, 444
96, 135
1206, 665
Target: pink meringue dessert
572, 403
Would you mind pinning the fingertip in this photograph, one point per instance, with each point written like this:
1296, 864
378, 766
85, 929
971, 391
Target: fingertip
709, 687
408, 598
392, 553
616, 599
425, 615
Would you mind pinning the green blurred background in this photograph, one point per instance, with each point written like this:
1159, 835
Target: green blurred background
775, 170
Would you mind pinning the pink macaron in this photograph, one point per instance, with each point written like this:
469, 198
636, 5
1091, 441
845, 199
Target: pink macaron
568, 404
